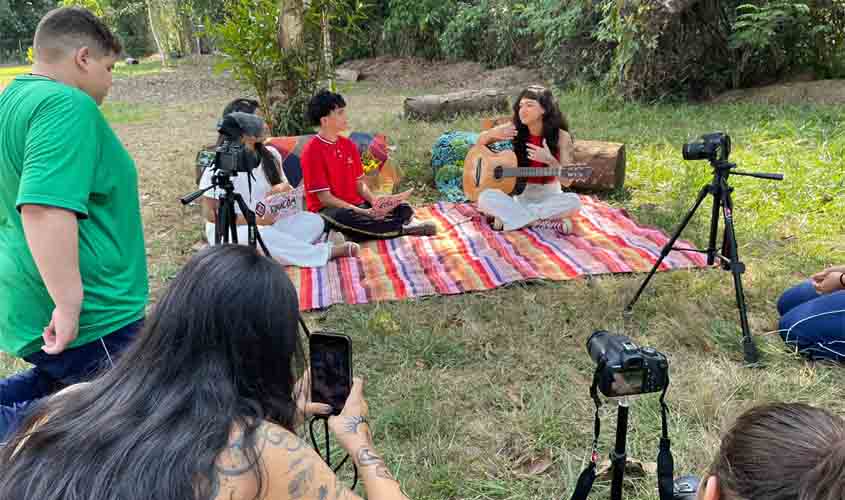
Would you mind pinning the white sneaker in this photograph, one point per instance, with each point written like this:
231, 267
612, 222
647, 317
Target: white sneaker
562, 226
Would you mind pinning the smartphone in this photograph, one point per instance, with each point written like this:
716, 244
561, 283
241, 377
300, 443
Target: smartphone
331, 369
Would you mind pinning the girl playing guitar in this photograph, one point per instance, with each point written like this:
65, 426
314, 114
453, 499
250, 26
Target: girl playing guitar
540, 137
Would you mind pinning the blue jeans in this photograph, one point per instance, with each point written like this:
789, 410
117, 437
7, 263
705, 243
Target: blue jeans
813, 323
52, 373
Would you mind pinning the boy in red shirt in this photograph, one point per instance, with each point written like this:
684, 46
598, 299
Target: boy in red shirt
334, 180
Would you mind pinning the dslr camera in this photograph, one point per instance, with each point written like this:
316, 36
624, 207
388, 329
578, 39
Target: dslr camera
623, 368
232, 157
713, 147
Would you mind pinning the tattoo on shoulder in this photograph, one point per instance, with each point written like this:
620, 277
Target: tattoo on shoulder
351, 424
280, 438
298, 486
323, 492
237, 460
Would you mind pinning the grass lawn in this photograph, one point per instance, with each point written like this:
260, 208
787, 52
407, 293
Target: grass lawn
121, 69
470, 392
485, 395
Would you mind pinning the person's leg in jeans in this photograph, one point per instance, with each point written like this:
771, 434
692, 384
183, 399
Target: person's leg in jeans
55, 372
796, 296
814, 323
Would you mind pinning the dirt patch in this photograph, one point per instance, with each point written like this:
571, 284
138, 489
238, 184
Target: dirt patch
187, 83
415, 73
814, 92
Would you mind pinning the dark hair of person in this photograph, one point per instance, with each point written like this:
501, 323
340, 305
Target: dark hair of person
553, 122
783, 451
71, 28
220, 351
268, 161
322, 104
241, 104
268, 164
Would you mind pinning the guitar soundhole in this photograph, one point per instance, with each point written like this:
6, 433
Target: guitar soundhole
498, 173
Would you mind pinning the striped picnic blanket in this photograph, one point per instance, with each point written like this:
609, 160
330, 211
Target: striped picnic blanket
467, 255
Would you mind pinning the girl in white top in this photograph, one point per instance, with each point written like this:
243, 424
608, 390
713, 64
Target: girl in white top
291, 234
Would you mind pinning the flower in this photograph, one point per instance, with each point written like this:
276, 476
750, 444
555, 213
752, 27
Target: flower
369, 163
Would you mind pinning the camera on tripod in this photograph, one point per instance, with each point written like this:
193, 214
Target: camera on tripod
623, 368
232, 157
713, 147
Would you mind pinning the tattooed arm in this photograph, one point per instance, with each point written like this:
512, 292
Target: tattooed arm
353, 433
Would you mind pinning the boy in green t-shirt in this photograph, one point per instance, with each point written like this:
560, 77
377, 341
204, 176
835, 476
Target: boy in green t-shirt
73, 273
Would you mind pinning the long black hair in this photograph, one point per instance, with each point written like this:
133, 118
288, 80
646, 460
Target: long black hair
220, 351
553, 122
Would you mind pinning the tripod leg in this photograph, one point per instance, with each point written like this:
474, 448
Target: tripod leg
233, 222
221, 224
714, 222
252, 226
669, 244
737, 268
618, 456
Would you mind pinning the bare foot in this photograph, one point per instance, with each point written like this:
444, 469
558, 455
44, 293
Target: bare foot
345, 250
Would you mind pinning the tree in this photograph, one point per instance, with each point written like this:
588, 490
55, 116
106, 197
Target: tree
284, 51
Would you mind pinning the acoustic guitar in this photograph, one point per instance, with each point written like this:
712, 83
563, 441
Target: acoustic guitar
484, 169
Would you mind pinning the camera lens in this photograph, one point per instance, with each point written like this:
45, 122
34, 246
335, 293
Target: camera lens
692, 151
597, 345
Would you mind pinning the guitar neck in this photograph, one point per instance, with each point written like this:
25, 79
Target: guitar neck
569, 170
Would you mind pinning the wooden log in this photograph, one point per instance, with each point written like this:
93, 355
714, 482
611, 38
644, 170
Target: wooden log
435, 107
347, 75
607, 160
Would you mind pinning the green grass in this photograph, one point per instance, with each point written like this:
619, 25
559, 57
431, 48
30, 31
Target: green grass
465, 391
121, 70
8, 73
126, 113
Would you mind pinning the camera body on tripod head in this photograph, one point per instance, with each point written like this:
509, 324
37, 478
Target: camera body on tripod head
623, 368
713, 147
231, 157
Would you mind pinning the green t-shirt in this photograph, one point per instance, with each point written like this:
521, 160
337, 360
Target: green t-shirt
57, 149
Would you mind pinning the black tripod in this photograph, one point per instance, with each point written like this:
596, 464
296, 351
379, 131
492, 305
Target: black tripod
618, 457
729, 257
226, 225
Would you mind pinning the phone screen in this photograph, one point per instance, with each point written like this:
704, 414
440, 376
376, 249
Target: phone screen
331, 369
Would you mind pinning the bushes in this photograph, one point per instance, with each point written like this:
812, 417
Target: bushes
713, 46
640, 49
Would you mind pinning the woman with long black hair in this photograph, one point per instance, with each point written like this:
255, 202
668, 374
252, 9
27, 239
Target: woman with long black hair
203, 405
540, 137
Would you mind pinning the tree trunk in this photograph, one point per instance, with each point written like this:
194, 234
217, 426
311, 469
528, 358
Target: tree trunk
327, 47
154, 30
290, 24
435, 107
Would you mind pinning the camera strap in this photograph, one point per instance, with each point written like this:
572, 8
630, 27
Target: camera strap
665, 462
